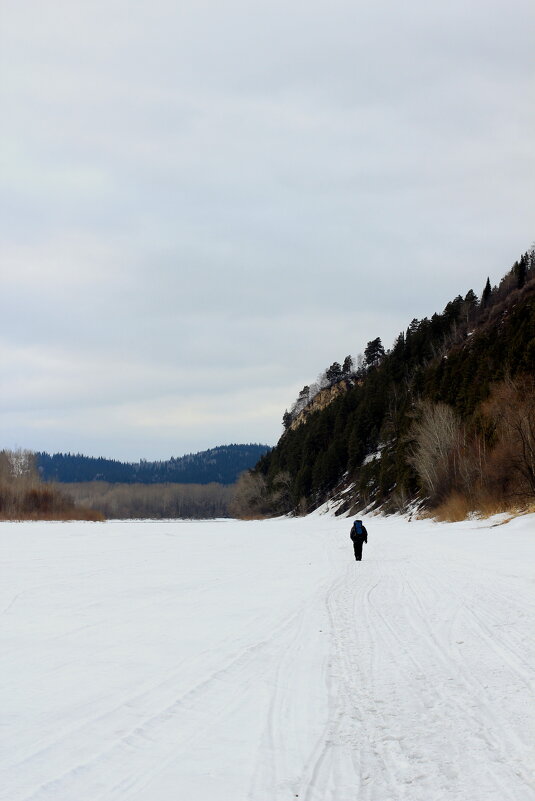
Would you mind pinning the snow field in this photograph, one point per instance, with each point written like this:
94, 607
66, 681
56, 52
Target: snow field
256, 661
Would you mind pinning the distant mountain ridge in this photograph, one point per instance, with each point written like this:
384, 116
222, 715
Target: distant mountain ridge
222, 464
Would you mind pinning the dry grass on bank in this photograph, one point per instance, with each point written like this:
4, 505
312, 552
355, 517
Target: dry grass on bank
23, 496
60, 517
40, 502
457, 508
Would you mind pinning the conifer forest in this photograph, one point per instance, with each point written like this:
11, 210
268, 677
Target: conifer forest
444, 419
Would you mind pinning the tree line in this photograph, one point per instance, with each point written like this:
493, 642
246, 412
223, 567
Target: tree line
153, 501
222, 465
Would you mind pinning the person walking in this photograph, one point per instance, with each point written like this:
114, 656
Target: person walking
358, 535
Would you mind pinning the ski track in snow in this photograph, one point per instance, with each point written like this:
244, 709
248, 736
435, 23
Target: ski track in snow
258, 662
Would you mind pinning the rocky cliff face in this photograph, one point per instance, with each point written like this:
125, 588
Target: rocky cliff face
320, 401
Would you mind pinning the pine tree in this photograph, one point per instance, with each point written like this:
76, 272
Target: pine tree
333, 373
347, 367
486, 294
374, 353
521, 270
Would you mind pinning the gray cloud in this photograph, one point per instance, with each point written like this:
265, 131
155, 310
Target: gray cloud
204, 205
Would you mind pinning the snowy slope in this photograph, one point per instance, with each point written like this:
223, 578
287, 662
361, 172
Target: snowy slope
228, 661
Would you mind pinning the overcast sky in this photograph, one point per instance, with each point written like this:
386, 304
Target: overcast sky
204, 204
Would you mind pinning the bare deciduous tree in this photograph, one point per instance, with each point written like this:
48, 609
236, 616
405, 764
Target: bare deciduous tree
436, 434
281, 496
511, 407
250, 496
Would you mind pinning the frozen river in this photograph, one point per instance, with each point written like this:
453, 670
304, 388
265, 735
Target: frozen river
256, 661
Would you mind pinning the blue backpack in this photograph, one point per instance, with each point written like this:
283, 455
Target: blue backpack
357, 525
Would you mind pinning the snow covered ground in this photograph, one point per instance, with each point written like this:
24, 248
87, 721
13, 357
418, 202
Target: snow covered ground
234, 661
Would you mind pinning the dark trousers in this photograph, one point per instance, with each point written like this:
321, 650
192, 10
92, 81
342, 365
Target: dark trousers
357, 545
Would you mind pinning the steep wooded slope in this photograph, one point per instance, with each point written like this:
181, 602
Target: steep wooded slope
365, 437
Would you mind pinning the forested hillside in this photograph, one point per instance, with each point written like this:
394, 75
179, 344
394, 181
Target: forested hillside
222, 465
445, 416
